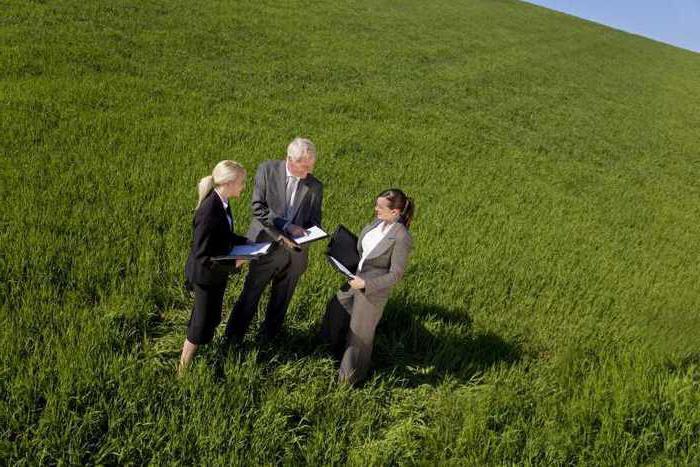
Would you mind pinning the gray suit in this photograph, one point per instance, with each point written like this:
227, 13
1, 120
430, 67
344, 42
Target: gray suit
281, 267
382, 268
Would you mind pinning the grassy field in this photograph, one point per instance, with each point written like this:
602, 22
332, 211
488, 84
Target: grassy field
550, 311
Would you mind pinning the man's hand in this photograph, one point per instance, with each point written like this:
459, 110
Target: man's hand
295, 230
357, 283
241, 262
287, 243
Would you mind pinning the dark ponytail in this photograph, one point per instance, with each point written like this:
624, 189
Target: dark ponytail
398, 200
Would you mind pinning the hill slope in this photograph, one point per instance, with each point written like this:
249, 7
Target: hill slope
549, 313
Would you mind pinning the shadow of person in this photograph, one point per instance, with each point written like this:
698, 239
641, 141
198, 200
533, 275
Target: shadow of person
415, 344
292, 343
424, 344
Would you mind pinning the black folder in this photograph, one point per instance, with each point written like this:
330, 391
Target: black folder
343, 247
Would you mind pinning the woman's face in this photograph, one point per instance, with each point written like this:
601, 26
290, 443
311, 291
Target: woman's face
384, 212
235, 188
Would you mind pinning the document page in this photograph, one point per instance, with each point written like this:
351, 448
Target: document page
252, 249
314, 233
341, 268
248, 252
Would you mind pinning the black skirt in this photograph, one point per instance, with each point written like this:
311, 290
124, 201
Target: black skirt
206, 315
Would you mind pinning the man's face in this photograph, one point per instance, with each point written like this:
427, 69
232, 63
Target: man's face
301, 168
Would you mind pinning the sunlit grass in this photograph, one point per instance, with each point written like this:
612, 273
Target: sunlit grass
549, 311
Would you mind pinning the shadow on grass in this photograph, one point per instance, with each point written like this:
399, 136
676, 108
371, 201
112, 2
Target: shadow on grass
415, 344
425, 344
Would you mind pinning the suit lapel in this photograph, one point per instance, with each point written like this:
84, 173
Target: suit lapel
223, 212
384, 243
230, 214
225, 217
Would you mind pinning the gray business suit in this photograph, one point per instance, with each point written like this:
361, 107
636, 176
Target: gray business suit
382, 268
280, 266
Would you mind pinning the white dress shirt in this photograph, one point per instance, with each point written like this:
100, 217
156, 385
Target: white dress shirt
372, 239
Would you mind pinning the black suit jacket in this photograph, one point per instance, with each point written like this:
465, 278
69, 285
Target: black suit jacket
269, 202
212, 237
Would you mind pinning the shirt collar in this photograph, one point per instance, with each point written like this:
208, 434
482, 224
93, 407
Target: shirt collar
289, 174
385, 227
224, 201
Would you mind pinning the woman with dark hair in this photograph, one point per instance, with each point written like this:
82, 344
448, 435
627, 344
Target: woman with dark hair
383, 246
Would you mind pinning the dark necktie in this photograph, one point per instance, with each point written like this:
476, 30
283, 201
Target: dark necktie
292, 183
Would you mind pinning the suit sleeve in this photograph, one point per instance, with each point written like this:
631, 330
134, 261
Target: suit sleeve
239, 239
399, 258
317, 206
261, 210
231, 266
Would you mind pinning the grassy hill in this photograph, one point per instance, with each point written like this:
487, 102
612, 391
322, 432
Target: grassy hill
550, 310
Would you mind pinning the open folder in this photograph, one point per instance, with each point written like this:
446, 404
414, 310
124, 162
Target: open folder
248, 251
340, 267
311, 235
342, 252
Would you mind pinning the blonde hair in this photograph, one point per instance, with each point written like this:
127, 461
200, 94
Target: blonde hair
301, 148
225, 171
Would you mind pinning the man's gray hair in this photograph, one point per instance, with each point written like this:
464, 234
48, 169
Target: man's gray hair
301, 149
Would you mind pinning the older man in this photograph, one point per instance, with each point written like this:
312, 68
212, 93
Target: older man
286, 200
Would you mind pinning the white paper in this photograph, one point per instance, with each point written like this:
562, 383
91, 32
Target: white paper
314, 233
252, 249
342, 268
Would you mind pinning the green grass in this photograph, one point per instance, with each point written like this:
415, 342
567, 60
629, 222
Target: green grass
550, 311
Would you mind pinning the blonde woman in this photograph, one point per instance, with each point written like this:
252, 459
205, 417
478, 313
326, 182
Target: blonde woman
213, 236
